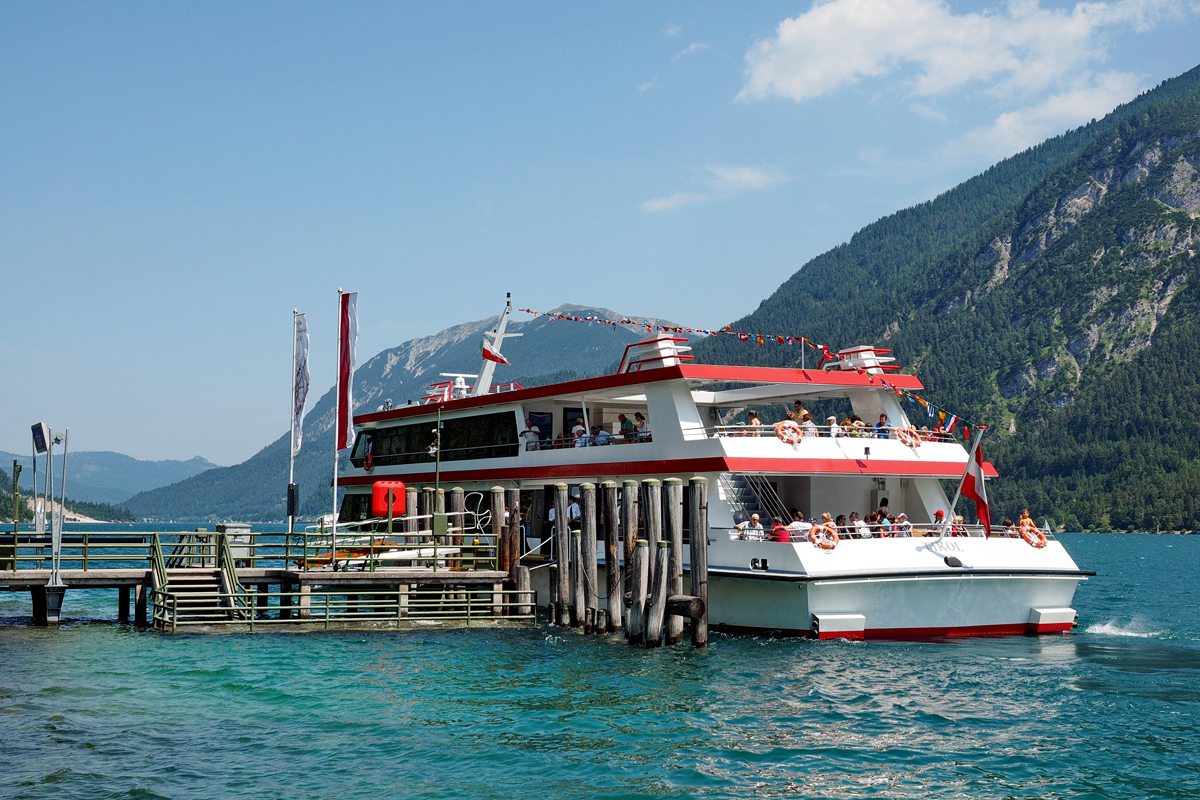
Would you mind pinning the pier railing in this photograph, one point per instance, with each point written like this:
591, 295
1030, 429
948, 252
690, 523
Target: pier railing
438, 544
415, 605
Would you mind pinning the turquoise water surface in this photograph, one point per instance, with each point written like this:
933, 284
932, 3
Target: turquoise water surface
101, 710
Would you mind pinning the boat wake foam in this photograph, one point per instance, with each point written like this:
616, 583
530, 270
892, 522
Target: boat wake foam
1112, 628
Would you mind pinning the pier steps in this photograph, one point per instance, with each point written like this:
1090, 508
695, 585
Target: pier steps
197, 593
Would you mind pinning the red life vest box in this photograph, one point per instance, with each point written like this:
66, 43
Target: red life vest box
379, 504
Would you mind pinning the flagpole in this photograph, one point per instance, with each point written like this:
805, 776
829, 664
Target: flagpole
337, 398
292, 441
958, 494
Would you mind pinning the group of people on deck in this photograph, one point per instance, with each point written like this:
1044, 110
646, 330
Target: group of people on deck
852, 426
631, 430
875, 525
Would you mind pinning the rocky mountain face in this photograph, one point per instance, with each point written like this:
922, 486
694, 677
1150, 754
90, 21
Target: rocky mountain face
257, 488
1067, 321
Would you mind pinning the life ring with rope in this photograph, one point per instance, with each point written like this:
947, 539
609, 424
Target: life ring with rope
823, 536
368, 462
1032, 535
908, 436
789, 432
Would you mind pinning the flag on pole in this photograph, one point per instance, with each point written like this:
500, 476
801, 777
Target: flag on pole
973, 488
491, 353
346, 342
299, 382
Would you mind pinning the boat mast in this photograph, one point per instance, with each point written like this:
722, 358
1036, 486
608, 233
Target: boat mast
483, 384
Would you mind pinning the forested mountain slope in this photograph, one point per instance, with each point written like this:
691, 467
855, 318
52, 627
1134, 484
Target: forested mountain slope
1067, 320
257, 488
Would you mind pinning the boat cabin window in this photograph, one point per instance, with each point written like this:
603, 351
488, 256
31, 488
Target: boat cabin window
355, 508
482, 436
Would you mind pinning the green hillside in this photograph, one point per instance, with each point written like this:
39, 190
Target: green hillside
1050, 297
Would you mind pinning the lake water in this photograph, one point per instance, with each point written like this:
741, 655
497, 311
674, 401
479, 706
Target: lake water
97, 709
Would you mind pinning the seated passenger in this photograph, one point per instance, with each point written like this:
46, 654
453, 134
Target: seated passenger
799, 527
600, 437
779, 531
842, 528
1010, 530
834, 430
857, 426
860, 526
902, 528
754, 422
883, 427
751, 531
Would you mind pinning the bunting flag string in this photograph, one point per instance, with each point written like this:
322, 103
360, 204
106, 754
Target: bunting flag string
946, 421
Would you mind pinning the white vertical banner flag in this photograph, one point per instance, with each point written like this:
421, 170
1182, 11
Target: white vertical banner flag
299, 382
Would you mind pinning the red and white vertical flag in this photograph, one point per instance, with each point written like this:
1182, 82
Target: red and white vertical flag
347, 339
973, 487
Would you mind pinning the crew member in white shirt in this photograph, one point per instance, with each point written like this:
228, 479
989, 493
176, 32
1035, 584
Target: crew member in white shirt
532, 435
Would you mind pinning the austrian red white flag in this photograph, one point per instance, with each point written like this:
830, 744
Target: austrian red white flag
492, 354
347, 339
973, 487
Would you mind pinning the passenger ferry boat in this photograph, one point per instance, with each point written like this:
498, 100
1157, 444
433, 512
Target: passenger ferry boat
928, 585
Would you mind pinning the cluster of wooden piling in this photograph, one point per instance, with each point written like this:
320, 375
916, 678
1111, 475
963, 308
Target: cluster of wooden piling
654, 606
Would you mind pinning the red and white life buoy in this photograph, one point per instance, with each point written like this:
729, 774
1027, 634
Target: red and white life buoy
789, 432
1032, 535
908, 436
823, 536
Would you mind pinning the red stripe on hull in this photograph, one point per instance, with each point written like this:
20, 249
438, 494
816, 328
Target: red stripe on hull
915, 634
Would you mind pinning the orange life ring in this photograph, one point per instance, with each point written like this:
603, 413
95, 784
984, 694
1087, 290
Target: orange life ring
908, 436
789, 432
368, 462
1032, 535
823, 536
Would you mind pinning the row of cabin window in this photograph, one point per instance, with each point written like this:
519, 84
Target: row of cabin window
485, 436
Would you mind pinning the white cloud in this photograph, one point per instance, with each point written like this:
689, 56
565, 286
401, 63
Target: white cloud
724, 182
691, 49
1018, 50
1090, 98
672, 31
928, 112
650, 84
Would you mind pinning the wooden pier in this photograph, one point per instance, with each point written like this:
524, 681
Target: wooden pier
431, 567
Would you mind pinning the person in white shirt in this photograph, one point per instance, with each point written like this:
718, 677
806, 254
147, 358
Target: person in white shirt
574, 514
834, 430
578, 430
752, 531
641, 426
902, 527
862, 528
799, 525
532, 435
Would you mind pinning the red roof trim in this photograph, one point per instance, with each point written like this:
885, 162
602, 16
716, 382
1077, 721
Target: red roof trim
827, 466
692, 371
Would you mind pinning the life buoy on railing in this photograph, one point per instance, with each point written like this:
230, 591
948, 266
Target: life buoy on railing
789, 432
368, 462
823, 536
1032, 535
908, 436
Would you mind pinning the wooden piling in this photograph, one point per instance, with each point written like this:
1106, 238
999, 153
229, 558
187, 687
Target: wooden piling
698, 524
652, 515
458, 507
578, 600
499, 529
658, 596
139, 604
524, 587
591, 589
562, 552
629, 529
641, 587
673, 533
514, 532
612, 558
552, 605
123, 603
411, 509
426, 509
439, 501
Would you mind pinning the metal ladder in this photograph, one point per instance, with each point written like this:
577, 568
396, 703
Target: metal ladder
752, 494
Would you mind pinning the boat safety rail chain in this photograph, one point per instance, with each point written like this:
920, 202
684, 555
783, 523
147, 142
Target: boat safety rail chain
465, 603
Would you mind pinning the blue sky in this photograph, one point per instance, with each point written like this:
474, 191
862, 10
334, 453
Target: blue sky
178, 178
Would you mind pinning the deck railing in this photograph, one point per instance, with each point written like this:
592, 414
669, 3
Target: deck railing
817, 431
918, 530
